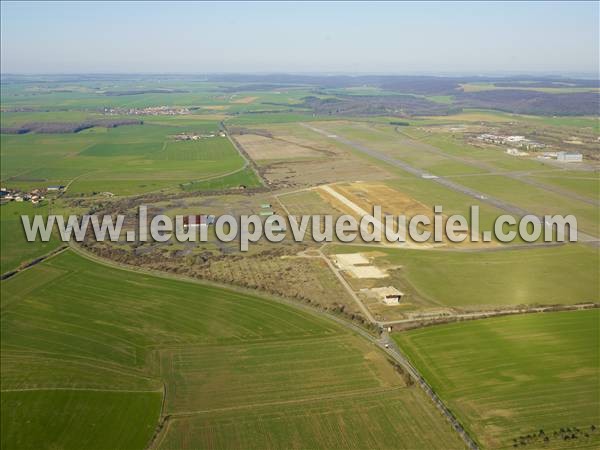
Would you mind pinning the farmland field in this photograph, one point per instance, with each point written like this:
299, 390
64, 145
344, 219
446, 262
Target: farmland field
124, 160
393, 419
15, 248
36, 419
245, 177
219, 353
515, 381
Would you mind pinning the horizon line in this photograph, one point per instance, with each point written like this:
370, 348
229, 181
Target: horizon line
525, 73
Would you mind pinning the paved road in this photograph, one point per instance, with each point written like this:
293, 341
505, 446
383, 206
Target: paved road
446, 182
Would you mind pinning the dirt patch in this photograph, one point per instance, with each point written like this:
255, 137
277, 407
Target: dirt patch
264, 148
394, 202
292, 156
360, 197
358, 266
351, 259
323, 170
359, 204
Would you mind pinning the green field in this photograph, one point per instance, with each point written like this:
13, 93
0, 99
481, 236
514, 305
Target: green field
580, 183
14, 248
269, 118
124, 160
393, 419
512, 377
537, 200
69, 419
487, 279
92, 338
201, 96
245, 177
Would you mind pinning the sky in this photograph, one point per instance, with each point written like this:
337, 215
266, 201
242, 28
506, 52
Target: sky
303, 37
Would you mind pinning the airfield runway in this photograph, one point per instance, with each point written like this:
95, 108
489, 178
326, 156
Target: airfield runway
491, 169
452, 185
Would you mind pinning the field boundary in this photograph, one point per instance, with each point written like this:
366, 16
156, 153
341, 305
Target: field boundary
26, 265
81, 389
248, 162
384, 343
440, 320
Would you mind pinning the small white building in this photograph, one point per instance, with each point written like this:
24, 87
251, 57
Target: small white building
516, 152
569, 157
